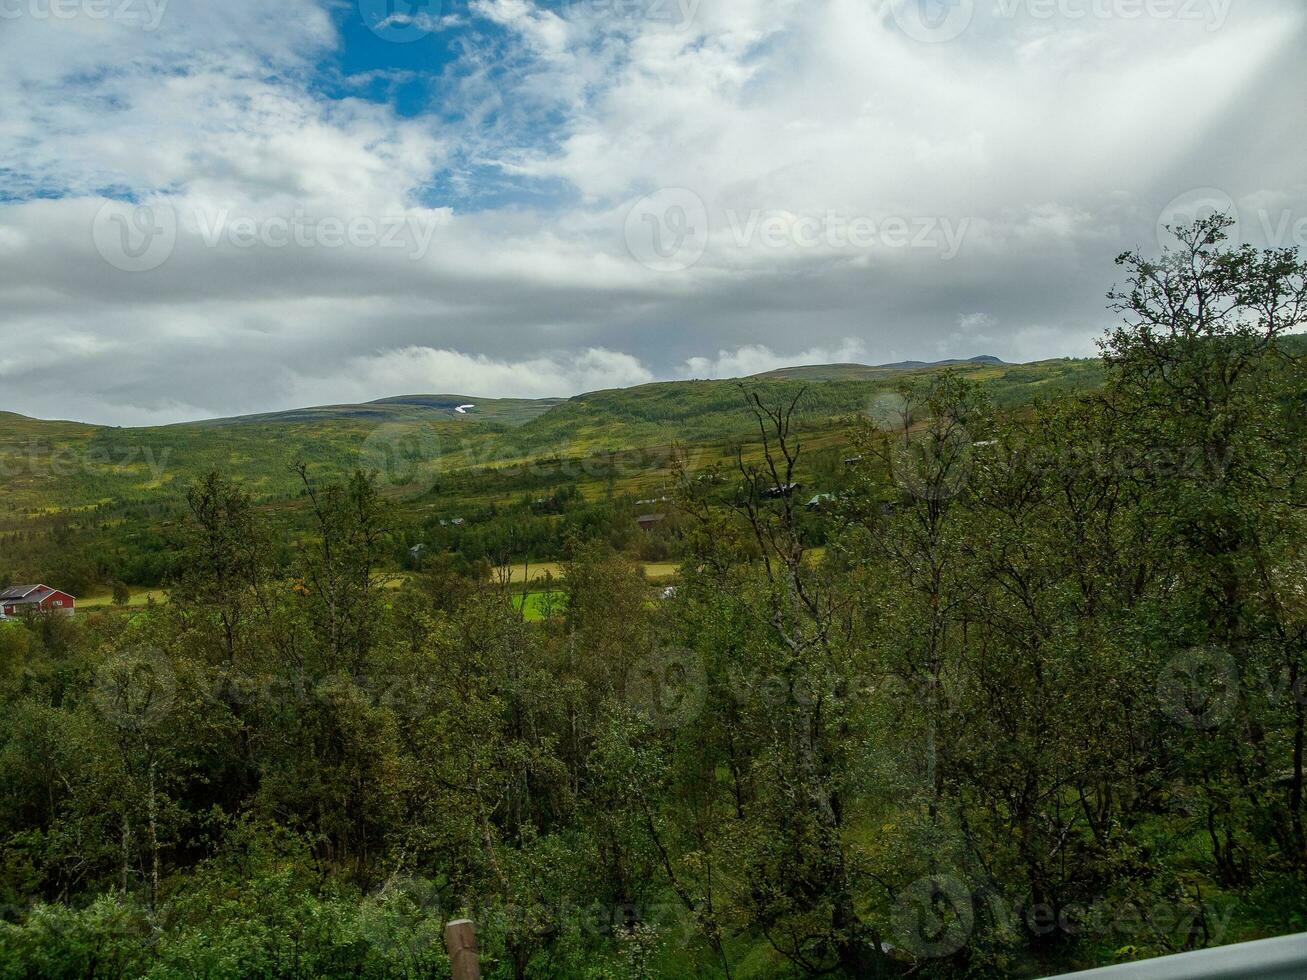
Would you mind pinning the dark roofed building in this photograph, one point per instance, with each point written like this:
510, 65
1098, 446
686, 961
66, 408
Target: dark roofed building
19, 599
784, 490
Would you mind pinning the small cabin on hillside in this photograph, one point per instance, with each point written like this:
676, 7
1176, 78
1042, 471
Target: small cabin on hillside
820, 501
782, 491
19, 599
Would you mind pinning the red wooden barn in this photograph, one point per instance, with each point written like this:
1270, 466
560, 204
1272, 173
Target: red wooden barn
19, 599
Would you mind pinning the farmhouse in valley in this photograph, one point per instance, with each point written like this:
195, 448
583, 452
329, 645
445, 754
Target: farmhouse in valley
19, 599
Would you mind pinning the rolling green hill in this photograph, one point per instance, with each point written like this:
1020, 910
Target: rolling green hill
845, 372
58, 469
509, 411
102, 498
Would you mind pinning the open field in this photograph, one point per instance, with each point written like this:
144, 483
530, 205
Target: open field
653, 570
140, 597
539, 605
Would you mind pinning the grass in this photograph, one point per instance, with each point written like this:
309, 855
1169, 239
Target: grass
653, 570
536, 604
139, 597
535, 572
656, 571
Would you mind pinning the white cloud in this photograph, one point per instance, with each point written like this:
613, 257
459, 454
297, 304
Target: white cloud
757, 359
1056, 141
216, 105
971, 322
425, 370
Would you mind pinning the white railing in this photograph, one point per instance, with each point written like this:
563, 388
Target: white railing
1269, 959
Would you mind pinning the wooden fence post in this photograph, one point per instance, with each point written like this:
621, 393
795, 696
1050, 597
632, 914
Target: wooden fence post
461, 942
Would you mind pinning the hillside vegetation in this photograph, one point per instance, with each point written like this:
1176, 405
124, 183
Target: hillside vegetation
97, 492
1019, 693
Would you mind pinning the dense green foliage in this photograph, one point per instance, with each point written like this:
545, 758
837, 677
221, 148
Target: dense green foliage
1036, 703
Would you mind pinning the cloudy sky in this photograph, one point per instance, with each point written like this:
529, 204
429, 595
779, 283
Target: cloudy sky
218, 208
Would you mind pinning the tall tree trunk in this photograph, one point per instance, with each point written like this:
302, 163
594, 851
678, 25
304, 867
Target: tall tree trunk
154, 838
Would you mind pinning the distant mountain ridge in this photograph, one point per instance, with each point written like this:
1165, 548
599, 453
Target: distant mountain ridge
914, 365
848, 372
507, 411
52, 471
518, 411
